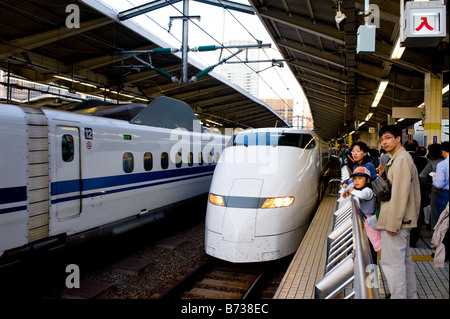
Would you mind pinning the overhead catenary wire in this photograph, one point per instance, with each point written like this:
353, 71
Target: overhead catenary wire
295, 115
259, 76
257, 72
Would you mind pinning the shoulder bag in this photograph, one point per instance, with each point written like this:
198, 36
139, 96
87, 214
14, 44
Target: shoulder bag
382, 187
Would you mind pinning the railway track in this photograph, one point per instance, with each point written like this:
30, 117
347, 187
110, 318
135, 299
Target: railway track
215, 279
44, 275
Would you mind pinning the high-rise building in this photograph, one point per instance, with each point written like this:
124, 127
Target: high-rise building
243, 74
283, 107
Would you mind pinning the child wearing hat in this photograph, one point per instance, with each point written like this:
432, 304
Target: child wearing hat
367, 203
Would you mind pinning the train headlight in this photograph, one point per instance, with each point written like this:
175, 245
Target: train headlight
277, 202
216, 200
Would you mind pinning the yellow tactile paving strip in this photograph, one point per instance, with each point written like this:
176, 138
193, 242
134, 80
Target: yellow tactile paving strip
416, 257
422, 258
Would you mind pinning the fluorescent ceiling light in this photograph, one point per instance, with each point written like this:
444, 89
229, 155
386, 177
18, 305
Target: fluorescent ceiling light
368, 117
213, 122
65, 78
74, 81
380, 91
38, 83
445, 89
398, 50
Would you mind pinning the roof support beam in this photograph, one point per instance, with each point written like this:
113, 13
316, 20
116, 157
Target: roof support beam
330, 109
226, 106
312, 52
328, 100
304, 24
218, 100
196, 94
321, 71
104, 60
323, 91
37, 40
338, 87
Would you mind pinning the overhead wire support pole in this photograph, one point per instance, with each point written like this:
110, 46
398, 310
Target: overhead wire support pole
184, 48
154, 5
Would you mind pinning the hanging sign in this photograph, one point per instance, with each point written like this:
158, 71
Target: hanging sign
424, 24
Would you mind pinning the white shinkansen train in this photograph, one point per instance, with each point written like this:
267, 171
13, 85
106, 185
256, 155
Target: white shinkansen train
68, 177
263, 194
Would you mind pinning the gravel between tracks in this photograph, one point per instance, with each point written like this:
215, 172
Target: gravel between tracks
167, 264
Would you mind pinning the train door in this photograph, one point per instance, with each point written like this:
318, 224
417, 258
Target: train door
67, 187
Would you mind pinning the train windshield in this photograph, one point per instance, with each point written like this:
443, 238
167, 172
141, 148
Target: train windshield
273, 139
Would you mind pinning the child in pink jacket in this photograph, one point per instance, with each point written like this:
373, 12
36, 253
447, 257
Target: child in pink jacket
367, 203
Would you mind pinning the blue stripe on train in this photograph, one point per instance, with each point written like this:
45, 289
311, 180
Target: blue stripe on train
13, 194
19, 194
13, 209
99, 183
64, 187
75, 197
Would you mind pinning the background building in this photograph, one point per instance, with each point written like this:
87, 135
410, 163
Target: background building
243, 74
284, 108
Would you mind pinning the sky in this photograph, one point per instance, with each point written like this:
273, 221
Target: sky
216, 26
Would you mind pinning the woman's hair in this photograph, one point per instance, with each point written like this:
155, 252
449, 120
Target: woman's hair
363, 146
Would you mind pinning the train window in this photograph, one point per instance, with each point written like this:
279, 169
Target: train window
148, 161
178, 160
164, 160
67, 148
191, 159
307, 142
274, 138
128, 162
200, 158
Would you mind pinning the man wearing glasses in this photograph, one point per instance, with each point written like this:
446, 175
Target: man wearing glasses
398, 216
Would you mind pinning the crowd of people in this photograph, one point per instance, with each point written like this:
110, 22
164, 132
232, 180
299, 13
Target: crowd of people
419, 180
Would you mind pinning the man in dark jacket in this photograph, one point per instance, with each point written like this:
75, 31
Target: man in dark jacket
421, 162
413, 147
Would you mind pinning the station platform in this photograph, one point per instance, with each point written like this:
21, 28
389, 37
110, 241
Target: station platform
308, 265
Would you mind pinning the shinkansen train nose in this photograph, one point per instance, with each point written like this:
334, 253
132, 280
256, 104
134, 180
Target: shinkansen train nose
238, 225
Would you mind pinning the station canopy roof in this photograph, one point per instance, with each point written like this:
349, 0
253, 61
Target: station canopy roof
36, 45
341, 85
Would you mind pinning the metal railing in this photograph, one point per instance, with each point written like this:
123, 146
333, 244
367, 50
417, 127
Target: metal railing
348, 254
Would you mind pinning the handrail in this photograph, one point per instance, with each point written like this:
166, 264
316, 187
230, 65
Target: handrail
348, 254
363, 256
